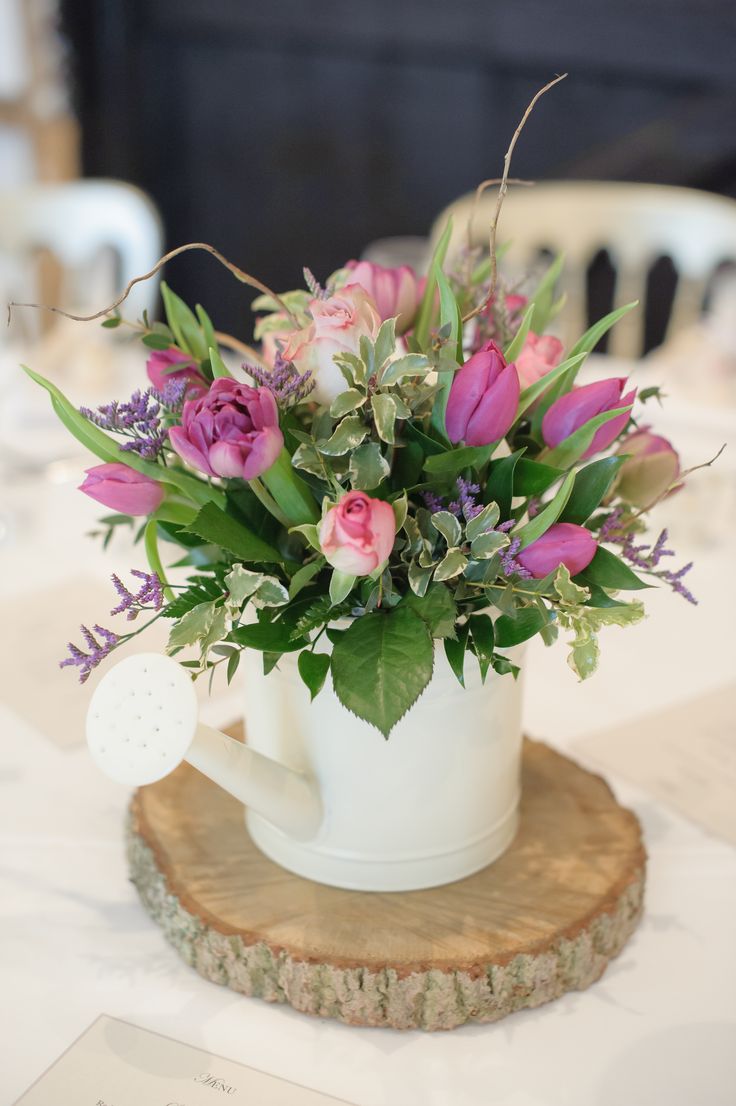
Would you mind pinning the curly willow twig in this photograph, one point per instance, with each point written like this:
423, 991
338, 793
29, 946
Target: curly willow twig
244, 278
500, 198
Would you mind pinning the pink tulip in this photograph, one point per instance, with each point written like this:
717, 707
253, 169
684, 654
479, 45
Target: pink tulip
650, 471
571, 411
395, 291
123, 489
483, 398
539, 354
158, 367
563, 544
232, 430
357, 535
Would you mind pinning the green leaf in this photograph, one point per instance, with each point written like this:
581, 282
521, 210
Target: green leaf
482, 522
419, 578
503, 666
313, 669
111, 323
430, 445
192, 626
385, 343
232, 665
437, 608
532, 478
455, 652
219, 368
449, 317
289, 490
592, 337
183, 324
384, 413
382, 664
412, 364
591, 485
346, 402
347, 435
202, 589
543, 296
150, 544
572, 449
486, 545
483, 636
570, 593
547, 516
448, 526
512, 631
515, 347
426, 308
451, 565
609, 571
310, 532
268, 637
156, 341
500, 482
218, 528
449, 464
208, 331
302, 576
341, 584
368, 467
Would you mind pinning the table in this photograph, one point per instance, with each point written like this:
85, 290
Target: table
658, 1030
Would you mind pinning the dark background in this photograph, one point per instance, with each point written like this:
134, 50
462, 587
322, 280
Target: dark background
293, 132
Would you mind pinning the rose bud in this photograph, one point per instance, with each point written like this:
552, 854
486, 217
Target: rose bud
232, 430
483, 398
160, 372
358, 534
395, 291
539, 354
571, 411
563, 544
650, 472
123, 489
338, 323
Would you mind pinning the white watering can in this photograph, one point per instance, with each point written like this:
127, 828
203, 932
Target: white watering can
325, 795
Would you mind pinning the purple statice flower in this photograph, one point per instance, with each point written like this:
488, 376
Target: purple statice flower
432, 502
510, 566
141, 419
98, 650
646, 557
284, 380
464, 506
150, 595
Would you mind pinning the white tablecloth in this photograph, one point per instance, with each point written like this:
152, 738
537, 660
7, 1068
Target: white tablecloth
658, 1030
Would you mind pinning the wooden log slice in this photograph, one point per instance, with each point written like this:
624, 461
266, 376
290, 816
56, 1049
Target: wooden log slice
543, 919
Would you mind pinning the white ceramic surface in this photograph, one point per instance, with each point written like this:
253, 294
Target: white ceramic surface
435, 802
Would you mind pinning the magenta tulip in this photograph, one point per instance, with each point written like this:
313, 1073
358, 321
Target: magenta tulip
650, 471
233, 430
571, 411
563, 544
160, 371
123, 489
483, 398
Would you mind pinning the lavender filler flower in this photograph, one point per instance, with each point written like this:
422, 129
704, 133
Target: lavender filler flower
98, 650
144, 418
288, 385
644, 556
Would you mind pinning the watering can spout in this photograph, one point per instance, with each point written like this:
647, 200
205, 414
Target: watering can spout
142, 723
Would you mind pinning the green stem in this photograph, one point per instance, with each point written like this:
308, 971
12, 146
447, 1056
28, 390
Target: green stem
150, 542
268, 502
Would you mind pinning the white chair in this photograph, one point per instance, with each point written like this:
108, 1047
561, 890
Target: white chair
636, 224
80, 223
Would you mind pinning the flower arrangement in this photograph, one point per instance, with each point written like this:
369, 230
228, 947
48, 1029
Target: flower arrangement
405, 465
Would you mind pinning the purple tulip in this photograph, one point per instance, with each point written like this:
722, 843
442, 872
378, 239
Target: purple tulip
123, 489
483, 398
563, 544
160, 372
571, 411
232, 430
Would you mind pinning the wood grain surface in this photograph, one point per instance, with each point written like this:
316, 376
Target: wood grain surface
543, 919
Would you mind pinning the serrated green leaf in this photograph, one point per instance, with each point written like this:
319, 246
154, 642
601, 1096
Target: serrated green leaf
367, 658
483, 637
313, 669
437, 608
591, 485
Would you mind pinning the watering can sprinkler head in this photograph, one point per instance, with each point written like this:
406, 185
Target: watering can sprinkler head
143, 722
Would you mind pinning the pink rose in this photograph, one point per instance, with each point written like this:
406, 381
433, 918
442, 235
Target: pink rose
122, 489
539, 354
357, 535
160, 373
232, 430
338, 323
395, 291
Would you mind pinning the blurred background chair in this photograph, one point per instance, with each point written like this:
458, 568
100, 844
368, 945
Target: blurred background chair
630, 228
98, 234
